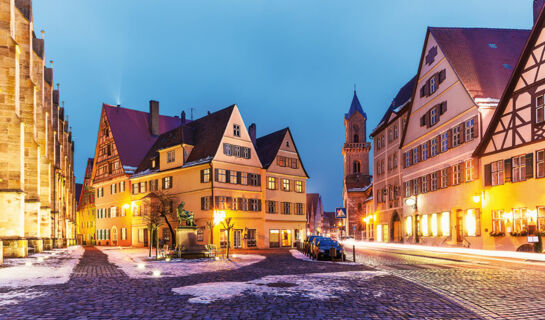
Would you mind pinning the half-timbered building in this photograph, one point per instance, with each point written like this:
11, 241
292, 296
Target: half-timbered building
513, 154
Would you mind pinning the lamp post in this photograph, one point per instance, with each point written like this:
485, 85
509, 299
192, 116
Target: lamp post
413, 203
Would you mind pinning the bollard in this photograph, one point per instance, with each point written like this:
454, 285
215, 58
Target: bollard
354, 252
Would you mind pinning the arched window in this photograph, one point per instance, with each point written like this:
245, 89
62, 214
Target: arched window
356, 167
356, 139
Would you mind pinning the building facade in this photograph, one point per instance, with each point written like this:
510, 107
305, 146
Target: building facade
213, 165
513, 155
86, 214
37, 184
383, 222
315, 214
357, 180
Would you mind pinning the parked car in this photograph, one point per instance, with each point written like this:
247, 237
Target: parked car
322, 249
309, 241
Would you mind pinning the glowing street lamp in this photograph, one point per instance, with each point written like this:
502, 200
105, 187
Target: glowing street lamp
219, 217
476, 198
411, 202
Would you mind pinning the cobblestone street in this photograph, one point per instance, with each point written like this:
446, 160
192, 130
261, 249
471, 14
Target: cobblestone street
99, 290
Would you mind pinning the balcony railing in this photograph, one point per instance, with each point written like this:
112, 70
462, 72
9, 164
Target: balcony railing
356, 145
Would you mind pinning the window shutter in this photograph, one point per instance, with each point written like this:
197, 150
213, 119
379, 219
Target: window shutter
428, 182
202, 202
449, 138
476, 167
443, 107
419, 150
449, 176
423, 120
438, 144
423, 91
215, 174
529, 165
259, 180
475, 127
462, 133
507, 166
239, 177
488, 175
258, 205
228, 176
410, 157
428, 149
427, 88
462, 172
442, 75
202, 176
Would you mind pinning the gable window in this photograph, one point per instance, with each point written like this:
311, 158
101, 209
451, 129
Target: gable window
469, 130
390, 135
271, 183
433, 116
540, 106
236, 130
287, 144
153, 163
456, 136
519, 169
396, 131
171, 156
444, 141
236, 151
227, 149
540, 164
424, 151
497, 172
299, 186
434, 147
415, 155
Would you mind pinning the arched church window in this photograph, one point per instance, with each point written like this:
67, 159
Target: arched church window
356, 167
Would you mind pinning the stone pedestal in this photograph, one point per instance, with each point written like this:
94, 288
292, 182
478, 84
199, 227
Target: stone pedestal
186, 237
48, 244
37, 244
16, 248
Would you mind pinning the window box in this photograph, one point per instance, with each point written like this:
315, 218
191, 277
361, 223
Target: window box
522, 233
497, 234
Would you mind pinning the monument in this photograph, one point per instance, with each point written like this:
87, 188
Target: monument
186, 234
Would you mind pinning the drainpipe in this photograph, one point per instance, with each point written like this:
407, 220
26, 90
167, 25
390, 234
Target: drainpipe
212, 177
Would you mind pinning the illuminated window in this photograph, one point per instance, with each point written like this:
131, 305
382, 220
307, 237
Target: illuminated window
470, 170
540, 164
540, 105
519, 169
497, 172
233, 177
167, 182
223, 238
271, 183
299, 186
445, 223
143, 187
113, 212
123, 233
409, 226
520, 222
285, 184
434, 225
456, 174
379, 233
205, 175
424, 225
541, 219
221, 175
472, 223
498, 223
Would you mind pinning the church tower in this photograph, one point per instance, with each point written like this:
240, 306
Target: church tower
356, 163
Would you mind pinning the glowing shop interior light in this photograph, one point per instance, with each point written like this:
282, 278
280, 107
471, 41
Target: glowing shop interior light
425, 225
141, 265
471, 223
40, 259
28, 263
409, 226
434, 225
445, 223
156, 273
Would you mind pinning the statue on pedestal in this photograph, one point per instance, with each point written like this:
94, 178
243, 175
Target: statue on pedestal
185, 216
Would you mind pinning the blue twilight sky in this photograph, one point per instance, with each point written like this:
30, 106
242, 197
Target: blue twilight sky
284, 62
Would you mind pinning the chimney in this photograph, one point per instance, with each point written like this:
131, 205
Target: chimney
183, 117
252, 132
154, 117
538, 4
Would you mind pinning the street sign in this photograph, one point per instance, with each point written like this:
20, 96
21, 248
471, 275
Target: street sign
533, 239
340, 213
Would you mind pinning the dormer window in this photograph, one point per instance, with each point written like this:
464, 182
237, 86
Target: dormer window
153, 163
171, 156
236, 130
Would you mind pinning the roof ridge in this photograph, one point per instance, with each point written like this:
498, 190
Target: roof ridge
475, 28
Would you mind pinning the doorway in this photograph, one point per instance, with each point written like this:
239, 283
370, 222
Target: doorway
237, 239
460, 227
146, 237
286, 238
396, 228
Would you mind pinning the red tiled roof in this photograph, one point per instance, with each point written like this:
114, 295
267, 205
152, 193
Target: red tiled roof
131, 132
483, 58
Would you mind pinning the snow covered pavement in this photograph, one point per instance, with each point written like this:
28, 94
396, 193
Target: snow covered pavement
46, 268
136, 263
314, 286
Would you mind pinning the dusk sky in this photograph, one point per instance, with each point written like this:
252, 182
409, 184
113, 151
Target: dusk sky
283, 62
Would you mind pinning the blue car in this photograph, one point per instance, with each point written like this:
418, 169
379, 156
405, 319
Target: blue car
322, 249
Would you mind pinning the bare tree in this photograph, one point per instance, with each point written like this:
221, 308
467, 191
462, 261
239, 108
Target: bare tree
154, 220
210, 226
162, 203
228, 225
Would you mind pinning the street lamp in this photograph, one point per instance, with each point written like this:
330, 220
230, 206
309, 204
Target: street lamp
411, 202
476, 198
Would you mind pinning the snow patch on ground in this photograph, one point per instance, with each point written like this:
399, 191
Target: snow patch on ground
318, 286
136, 263
14, 297
46, 268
